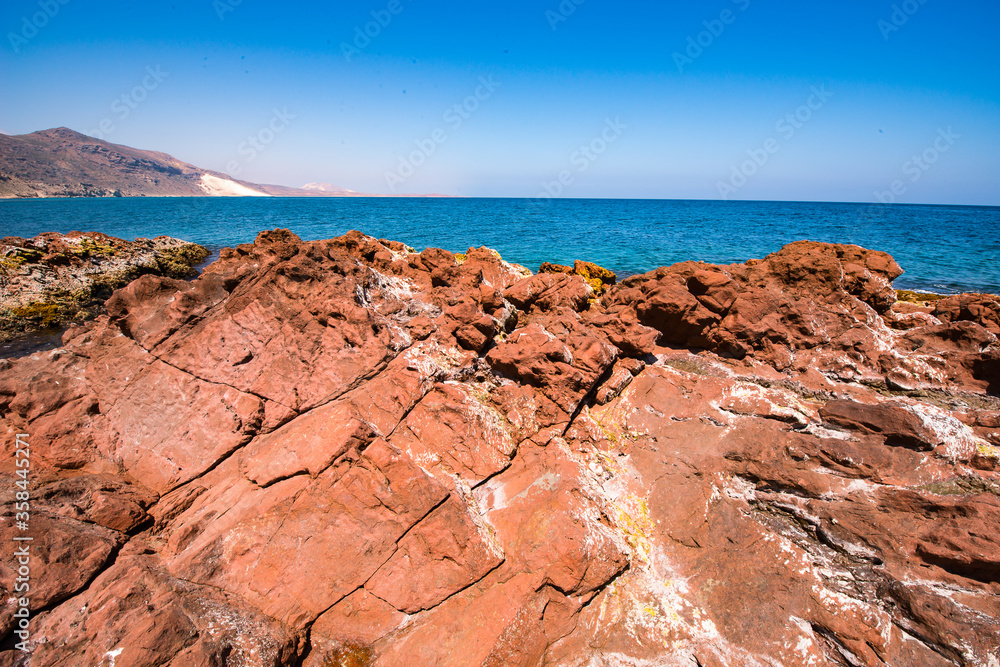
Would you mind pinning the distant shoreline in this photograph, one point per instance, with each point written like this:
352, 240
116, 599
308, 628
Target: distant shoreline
297, 196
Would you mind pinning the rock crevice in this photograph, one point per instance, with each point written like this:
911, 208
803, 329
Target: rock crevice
346, 452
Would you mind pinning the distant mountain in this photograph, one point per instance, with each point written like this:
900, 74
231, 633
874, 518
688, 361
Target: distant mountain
64, 163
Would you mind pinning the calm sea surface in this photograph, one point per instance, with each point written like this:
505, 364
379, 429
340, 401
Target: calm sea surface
942, 248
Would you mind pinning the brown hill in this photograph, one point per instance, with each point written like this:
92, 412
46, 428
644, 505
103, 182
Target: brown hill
63, 163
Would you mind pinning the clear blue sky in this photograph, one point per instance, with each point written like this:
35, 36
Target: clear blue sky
681, 125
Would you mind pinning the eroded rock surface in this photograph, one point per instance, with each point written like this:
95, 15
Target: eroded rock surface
348, 453
54, 279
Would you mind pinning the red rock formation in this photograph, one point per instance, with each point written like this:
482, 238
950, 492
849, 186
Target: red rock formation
349, 453
981, 308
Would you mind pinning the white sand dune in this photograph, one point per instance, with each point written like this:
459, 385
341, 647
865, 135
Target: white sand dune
223, 187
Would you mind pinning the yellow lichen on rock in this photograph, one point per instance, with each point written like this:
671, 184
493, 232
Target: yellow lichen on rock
55, 279
589, 270
633, 520
599, 278
45, 314
919, 298
89, 247
988, 451
349, 655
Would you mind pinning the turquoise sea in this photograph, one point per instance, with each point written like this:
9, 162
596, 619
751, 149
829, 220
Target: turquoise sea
942, 248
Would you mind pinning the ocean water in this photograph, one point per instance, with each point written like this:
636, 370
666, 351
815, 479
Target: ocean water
943, 249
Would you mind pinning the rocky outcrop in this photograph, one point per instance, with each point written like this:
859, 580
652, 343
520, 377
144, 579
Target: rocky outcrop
597, 277
346, 452
54, 279
983, 309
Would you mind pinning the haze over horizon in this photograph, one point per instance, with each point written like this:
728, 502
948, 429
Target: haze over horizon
739, 99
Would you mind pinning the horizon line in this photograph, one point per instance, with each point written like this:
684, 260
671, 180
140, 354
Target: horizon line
511, 197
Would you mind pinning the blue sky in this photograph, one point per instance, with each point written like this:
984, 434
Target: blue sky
597, 99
